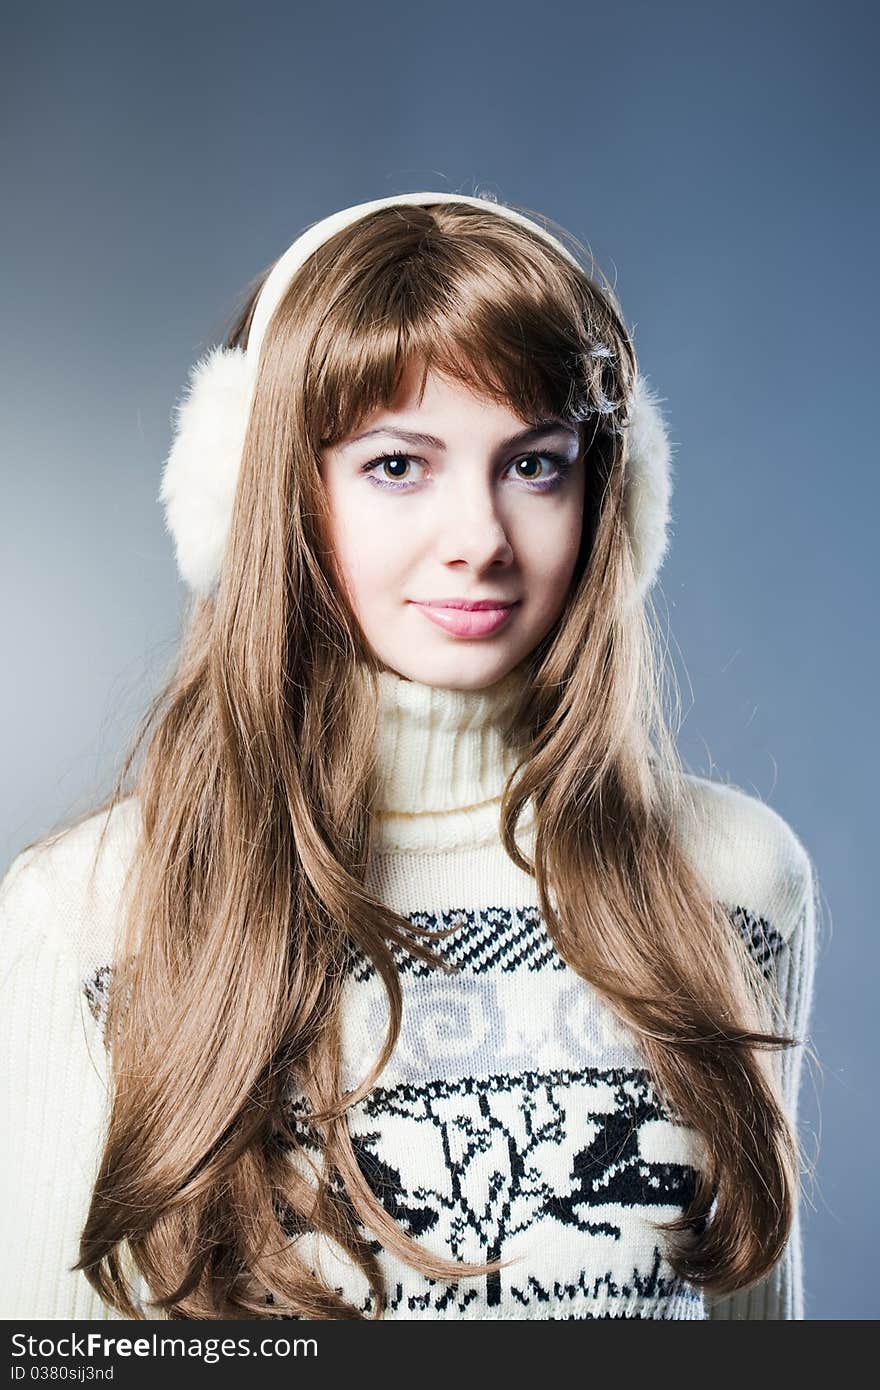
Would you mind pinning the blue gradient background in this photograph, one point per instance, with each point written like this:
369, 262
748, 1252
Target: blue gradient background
719, 160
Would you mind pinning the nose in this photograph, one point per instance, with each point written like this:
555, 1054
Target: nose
473, 530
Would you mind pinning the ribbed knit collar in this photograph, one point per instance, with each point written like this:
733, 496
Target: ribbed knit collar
442, 762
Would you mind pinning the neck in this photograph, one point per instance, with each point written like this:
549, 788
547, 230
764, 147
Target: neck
442, 760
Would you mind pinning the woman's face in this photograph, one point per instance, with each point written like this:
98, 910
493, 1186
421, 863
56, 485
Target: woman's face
477, 512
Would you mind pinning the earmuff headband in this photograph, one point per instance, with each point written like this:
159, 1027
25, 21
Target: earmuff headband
201, 471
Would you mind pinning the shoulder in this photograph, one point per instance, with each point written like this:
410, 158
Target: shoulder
65, 890
746, 852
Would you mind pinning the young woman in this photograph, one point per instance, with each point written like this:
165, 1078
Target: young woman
410, 975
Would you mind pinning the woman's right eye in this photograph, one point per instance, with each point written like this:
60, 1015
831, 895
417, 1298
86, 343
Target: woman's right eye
396, 459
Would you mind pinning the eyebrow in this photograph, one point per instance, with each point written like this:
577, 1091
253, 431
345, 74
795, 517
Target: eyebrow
432, 442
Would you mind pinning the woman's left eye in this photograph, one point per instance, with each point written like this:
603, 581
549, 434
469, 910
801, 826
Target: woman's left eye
561, 464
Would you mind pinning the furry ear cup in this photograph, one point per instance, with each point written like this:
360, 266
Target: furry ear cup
201, 471
648, 485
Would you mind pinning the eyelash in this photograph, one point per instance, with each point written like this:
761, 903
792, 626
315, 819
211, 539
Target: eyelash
563, 468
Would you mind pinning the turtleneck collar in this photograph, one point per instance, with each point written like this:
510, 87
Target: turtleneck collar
442, 762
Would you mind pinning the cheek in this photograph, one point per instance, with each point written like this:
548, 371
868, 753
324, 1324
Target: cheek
549, 551
368, 550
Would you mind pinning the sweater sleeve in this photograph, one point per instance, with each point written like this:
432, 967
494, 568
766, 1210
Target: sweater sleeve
53, 1103
780, 1294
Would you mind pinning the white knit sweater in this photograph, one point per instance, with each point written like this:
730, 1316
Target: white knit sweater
516, 1117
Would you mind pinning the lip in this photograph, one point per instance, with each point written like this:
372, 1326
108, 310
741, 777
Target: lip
462, 618
472, 605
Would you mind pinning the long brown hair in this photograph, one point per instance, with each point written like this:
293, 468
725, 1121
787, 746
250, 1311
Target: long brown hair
255, 793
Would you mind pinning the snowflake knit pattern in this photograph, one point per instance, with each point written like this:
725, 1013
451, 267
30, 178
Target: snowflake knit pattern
516, 1118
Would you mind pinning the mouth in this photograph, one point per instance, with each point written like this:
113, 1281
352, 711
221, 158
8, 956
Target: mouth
470, 605
464, 619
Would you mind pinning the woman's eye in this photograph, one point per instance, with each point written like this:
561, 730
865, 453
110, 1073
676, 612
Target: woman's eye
397, 470
530, 460
398, 466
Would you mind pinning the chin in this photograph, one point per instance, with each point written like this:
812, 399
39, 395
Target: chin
468, 669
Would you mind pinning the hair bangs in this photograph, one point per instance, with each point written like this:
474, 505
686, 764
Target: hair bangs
466, 301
